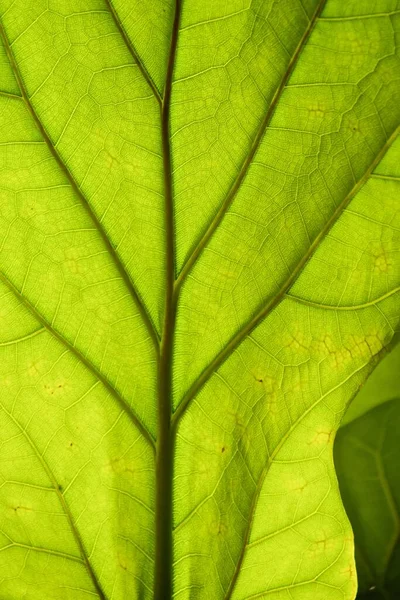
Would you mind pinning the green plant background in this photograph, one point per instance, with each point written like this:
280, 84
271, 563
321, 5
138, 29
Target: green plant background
367, 454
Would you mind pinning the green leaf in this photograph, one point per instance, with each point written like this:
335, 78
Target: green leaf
381, 386
199, 267
367, 461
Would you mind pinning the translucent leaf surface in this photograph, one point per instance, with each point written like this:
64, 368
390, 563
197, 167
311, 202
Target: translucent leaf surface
199, 266
367, 454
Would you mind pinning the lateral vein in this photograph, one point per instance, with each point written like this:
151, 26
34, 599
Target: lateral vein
29, 336
64, 504
44, 551
263, 475
346, 308
88, 364
212, 227
10, 95
132, 50
74, 185
264, 311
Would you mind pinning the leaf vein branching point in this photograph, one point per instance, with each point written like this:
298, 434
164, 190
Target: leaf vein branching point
132, 50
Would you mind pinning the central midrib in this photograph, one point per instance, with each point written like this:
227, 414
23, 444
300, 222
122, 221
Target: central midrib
167, 424
165, 435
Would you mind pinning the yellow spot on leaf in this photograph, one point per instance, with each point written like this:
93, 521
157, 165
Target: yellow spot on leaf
349, 571
322, 438
123, 563
218, 528
382, 263
317, 109
73, 266
321, 546
297, 484
121, 465
6, 381
34, 368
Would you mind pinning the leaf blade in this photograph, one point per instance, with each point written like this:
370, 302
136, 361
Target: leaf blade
242, 498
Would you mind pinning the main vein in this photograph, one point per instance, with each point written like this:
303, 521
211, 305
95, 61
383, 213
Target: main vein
165, 443
74, 185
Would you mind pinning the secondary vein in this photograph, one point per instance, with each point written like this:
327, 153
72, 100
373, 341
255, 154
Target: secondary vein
89, 365
132, 50
74, 185
212, 227
339, 307
264, 474
265, 310
65, 507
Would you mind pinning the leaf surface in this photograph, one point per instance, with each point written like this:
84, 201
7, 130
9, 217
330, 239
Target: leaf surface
199, 267
367, 454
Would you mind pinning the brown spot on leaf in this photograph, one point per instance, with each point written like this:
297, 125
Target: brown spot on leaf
19, 510
122, 562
